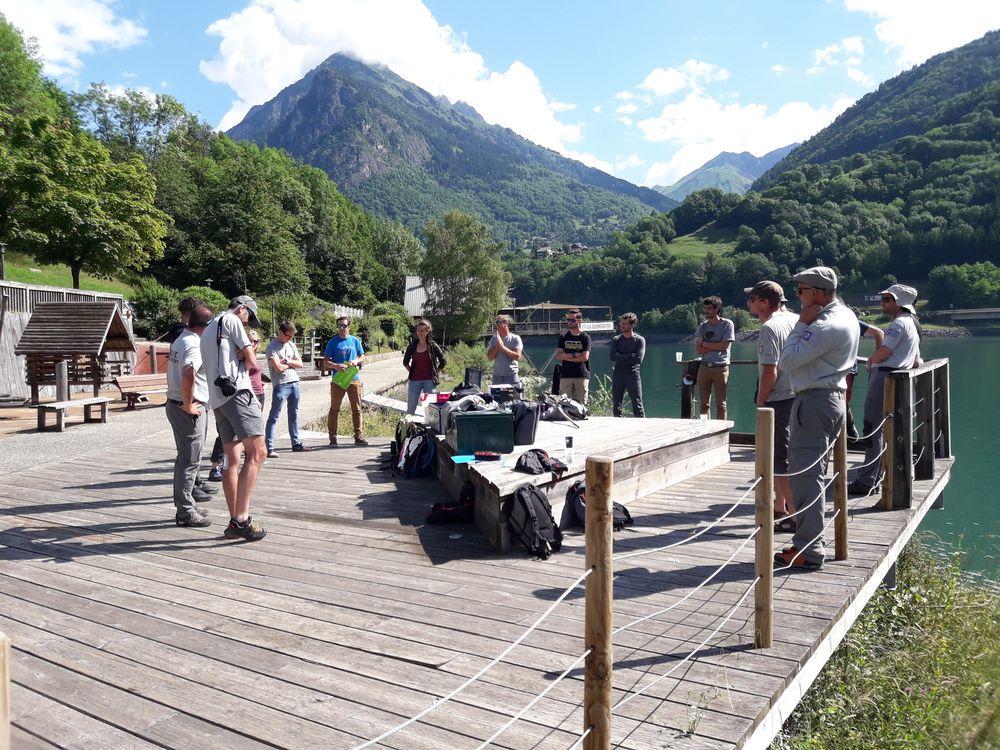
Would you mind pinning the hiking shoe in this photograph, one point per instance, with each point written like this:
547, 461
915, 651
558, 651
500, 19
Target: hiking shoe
272, 453
200, 496
299, 448
333, 442
360, 441
206, 487
215, 474
792, 559
193, 518
857, 487
249, 530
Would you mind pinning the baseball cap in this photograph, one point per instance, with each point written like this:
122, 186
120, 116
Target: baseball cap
904, 295
819, 277
769, 290
250, 305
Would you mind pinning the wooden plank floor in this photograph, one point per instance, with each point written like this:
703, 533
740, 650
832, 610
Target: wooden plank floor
352, 615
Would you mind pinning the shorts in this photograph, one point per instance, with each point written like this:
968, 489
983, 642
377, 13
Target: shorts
782, 432
239, 418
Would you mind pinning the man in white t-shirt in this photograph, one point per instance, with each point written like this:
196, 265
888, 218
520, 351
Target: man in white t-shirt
187, 400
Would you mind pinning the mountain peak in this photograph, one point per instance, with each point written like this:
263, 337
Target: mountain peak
729, 171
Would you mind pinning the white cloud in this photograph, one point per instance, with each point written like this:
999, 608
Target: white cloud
859, 77
597, 109
853, 44
778, 69
692, 74
632, 160
826, 55
627, 109
918, 29
626, 121
270, 44
164, 85
703, 126
591, 161
847, 55
67, 29
561, 106
625, 95
814, 70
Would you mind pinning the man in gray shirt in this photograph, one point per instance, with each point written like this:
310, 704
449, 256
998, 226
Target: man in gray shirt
900, 350
818, 355
505, 353
628, 349
712, 341
284, 363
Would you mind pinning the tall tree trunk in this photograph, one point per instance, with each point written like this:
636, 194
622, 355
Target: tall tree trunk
75, 267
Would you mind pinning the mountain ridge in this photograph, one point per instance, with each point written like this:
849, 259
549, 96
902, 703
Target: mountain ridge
729, 171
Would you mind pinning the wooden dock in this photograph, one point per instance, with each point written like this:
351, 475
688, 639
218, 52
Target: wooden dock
352, 615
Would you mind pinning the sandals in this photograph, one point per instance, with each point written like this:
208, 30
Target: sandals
783, 524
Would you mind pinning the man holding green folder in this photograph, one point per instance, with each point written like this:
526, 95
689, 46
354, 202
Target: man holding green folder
344, 355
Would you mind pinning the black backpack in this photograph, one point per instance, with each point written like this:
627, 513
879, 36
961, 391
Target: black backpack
416, 454
532, 523
575, 509
460, 512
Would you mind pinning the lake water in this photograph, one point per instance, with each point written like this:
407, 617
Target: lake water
971, 515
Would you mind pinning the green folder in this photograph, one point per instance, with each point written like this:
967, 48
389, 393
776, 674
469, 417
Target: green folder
344, 378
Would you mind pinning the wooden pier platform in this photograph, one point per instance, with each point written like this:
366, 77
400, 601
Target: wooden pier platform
352, 615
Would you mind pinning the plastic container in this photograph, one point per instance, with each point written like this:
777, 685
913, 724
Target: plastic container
473, 431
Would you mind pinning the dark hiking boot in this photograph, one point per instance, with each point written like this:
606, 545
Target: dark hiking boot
360, 441
249, 530
200, 495
299, 448
193, 518
790, 558
857, 487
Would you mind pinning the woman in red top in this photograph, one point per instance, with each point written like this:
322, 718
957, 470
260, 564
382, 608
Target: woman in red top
256, 381
424, 359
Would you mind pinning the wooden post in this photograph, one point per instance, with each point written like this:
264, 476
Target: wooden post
4, 692
764, 557
902, 460
889, 442
942, 405
599, 604
687, 401
923, 431
62, 380
840, 494
154, 366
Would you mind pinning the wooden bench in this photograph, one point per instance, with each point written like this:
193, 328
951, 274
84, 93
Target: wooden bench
136, 388
61, 407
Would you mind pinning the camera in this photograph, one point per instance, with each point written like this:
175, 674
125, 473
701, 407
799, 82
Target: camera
227, 385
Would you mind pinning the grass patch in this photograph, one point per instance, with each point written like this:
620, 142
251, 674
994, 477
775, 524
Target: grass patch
706, 240
919, 669
19, 268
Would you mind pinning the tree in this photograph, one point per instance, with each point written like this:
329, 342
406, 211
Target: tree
465, 281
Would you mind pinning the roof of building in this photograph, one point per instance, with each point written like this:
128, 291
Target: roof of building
92, 328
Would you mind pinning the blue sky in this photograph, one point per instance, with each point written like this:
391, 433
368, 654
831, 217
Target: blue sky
646, 90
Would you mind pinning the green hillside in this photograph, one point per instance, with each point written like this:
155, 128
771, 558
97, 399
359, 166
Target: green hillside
707, 239
25, 270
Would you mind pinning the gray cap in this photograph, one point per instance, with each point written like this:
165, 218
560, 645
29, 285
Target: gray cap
251, 307
820, 277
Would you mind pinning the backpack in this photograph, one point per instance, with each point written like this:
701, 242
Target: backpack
538, 461
532, 523
417, 452
575, 509
445, 513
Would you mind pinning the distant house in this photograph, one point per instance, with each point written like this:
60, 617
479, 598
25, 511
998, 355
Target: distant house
575, 249
415, 296
542, 252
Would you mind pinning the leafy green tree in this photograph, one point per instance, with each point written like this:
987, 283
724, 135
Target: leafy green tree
155, 307
214, 299
968, 285
466, 284
23, 90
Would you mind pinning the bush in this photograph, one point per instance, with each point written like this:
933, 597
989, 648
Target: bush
214, 299
682, 318
968, 285
742, 319
463, 355
155, 308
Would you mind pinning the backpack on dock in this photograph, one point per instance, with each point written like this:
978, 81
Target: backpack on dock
532, 523
414, 451
575, 510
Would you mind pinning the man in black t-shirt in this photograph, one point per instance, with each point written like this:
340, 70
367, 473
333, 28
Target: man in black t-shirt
573, 355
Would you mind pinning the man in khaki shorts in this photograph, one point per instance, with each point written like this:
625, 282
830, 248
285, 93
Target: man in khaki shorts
229, 358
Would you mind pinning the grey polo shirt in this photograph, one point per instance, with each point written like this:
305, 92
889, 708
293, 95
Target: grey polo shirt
903, 339
713, 333
773, 335
221, 357
821, 355
282, 350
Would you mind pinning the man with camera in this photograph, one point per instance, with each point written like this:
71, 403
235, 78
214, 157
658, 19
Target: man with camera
229, 358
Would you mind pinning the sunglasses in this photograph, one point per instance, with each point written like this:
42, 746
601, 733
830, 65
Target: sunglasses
804, 289
342, 325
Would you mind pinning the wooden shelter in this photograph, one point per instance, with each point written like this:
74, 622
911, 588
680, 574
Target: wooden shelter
82, 334
549, 318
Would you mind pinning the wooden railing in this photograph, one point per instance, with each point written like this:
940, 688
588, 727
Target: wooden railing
24, 297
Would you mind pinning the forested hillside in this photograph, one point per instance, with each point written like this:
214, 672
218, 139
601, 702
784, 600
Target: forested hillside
730, 172
404, 154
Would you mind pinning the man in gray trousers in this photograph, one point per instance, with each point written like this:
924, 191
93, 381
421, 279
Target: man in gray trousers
817, 356
187, 397
628, 349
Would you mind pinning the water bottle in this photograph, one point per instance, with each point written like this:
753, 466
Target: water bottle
568, 453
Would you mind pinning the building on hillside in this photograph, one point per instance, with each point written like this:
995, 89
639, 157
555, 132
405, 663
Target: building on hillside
541, 253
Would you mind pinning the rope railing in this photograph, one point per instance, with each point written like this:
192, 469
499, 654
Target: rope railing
812, 502
869, 463
919, 455
875, 430
484, 670
582, 737
822, 457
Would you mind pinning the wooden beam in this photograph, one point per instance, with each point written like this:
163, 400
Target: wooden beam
764, 556
599, 604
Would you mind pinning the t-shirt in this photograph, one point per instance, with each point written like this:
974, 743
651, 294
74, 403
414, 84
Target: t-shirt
420, 366
713, 333
821, 354
341, 350
175, 330
504, 366
903, 339
773, 335
574, 343
627, 352
864, 331
282, 350
185, 351
221, 358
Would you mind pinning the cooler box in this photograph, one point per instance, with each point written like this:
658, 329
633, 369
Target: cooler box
473, 431
434, 415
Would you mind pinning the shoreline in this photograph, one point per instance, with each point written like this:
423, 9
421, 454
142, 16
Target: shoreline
956, 332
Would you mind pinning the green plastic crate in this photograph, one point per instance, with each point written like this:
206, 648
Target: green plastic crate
473, 431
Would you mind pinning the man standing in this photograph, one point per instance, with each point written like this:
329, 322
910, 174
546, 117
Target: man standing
712, 341
900, 350
628, 349
766, 300
184, 309
505, 353
284, 363
573, 355
817, 356
344, 351
187, 397
229, 358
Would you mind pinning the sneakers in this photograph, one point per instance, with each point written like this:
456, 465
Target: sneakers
193, 518
857, 487
360, 441
205, 487
200, 495
215, 474
792, 559
333, 442
250, 530
272, 453
299, 448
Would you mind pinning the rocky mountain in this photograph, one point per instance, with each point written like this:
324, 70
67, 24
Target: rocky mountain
405, 154
729, 171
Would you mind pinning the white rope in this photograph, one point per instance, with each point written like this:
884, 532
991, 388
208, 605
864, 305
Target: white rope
869, 463
697, 648
874, 429
918, 403
809, 543
482, 671
691, 538
822, 456
815, 500
582, 737
919, 424
535, 700
919, 455
691, 593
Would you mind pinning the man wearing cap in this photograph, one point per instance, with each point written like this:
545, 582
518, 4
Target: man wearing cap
900, 350
229, 357
766, 301
818, 354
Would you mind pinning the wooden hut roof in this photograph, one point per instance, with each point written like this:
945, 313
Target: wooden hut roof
75, 328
